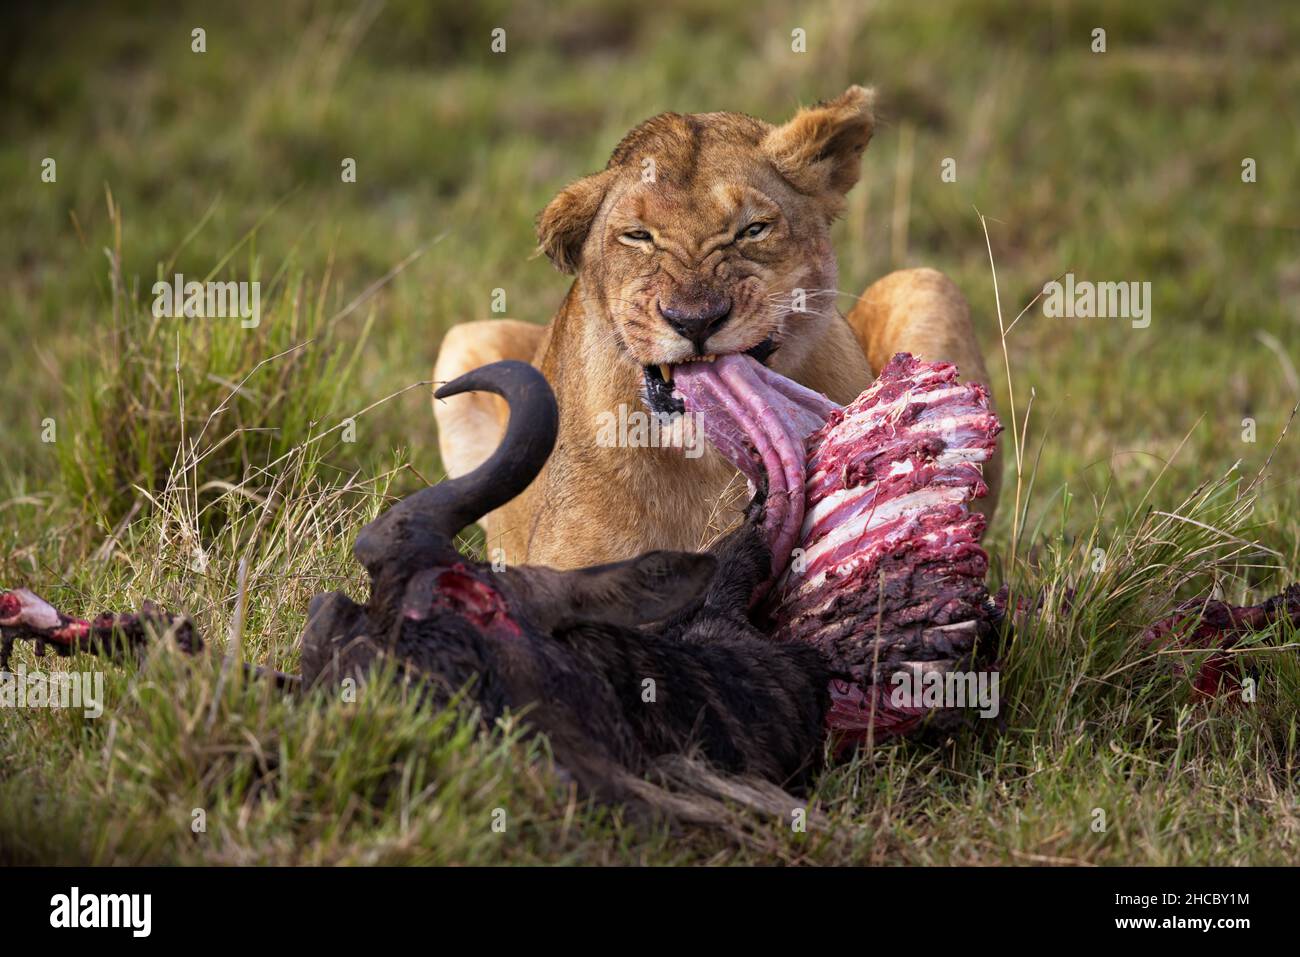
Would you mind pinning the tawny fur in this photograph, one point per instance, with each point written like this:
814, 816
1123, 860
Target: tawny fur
712, 173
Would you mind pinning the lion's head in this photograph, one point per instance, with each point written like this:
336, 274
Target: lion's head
709, 233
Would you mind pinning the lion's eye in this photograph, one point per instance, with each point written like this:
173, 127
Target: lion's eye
637, 236
753, 230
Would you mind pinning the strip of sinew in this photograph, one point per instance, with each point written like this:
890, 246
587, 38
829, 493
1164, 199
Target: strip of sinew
862, 415
957, 425
883, 513
897, 388
962, 426
948, 531
834, 566
950, 470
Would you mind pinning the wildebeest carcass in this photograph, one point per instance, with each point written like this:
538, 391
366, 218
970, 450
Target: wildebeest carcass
619, 664
627, 667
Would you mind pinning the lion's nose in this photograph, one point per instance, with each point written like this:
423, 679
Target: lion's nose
698, 320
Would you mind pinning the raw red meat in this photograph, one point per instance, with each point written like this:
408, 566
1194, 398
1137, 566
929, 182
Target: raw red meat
888, 575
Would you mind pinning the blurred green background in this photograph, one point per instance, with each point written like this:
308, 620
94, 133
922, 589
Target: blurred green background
1124, 165
1117, 166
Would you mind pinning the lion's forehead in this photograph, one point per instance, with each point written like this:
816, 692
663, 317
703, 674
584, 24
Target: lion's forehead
683, 138
709, 206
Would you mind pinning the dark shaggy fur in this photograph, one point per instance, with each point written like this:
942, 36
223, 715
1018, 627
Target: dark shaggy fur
619, 665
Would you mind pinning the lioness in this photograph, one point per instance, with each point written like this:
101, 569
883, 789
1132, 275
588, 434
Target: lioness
705, 234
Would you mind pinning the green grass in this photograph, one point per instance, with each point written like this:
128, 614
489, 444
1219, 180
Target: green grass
183, 447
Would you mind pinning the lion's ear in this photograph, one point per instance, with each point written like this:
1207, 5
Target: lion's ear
563, 225
820, 150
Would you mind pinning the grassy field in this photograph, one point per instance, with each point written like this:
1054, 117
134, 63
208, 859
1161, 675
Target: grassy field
145, 458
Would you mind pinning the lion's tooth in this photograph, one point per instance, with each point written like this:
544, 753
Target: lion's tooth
667, 372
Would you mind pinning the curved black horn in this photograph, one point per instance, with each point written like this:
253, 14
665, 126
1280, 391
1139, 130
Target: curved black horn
449, 506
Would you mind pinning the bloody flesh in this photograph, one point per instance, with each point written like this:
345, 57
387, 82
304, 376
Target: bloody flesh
888, 575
